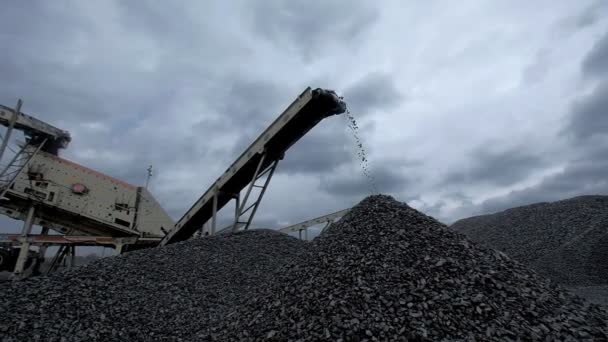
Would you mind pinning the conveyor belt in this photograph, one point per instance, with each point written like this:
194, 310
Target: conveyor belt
302, 115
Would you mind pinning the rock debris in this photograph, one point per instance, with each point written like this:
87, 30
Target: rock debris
384, 272
566, 241
160, 294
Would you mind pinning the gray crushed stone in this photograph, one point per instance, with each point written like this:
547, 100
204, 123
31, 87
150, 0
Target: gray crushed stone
386, 272
161, 294
566, 241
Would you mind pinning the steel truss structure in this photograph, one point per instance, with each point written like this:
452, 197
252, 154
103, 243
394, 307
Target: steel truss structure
303, 226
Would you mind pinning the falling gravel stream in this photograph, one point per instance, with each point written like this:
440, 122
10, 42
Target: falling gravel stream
361, 153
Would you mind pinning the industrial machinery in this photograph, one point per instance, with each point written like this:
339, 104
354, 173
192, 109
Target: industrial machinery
85, 206
81, 206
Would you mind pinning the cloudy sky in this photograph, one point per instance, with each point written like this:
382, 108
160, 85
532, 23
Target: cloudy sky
464, 107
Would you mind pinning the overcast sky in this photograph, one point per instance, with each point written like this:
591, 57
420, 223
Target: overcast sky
464, 107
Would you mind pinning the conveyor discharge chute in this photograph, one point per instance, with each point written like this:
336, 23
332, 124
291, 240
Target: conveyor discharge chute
35, 129
303, 114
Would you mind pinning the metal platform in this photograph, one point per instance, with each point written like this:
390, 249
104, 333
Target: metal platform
76, 240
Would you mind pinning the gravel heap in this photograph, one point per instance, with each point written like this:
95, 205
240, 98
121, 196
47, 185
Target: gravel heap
566, 241
161, 294
386, 272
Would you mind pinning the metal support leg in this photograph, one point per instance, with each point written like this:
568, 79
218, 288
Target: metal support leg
41, 254
25, 246
42, 250
254, 207
57, 259
21, 260
237, 212
214, 217
68, 257
305, 234
300, 234
255, 177
118, 248
257, 203
326, 225
29, 221
72, 256
9, 130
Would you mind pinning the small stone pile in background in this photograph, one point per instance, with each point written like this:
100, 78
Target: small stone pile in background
566, 241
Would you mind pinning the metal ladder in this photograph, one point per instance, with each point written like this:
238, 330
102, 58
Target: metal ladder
13, 169
240, 209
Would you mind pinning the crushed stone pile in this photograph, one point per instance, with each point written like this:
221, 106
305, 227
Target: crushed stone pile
386, 272
566, 241
161, 294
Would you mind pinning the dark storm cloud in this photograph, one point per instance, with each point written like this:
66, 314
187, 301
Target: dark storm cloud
34, 69
323, 149
249, 106
450, 199
375, 91
387, 179
252, 105
312, 27
585, 175
59, 65
596, 62
151, 18
536, 71
589, 116
592, 14
496, 167
106, 86
434, 209
186, 32
459, 196
66, 75
587, 132
580, 177
175, 85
